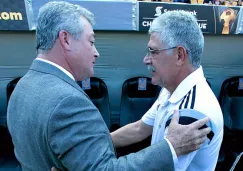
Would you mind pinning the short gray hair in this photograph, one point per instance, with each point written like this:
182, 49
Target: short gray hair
56, 16
180, 28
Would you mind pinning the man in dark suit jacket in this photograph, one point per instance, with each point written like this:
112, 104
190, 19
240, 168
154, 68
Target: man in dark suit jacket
54, 123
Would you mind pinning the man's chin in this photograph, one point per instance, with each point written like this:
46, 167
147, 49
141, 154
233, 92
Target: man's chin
154, 81
86, 76
92, 73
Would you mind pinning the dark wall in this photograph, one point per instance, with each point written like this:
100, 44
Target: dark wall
121, 55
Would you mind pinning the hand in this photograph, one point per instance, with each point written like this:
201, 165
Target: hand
186, 138
54, 169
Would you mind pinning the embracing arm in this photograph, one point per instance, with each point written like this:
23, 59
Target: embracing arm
131, 133
79, 138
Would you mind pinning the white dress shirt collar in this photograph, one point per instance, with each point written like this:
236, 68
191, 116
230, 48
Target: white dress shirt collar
57, 66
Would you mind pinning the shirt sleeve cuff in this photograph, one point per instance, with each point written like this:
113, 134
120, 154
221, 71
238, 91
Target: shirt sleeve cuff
175, 159
147, 121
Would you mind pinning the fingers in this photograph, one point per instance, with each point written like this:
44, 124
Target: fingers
200, 141
198, 124
196, 145
175, 118
202, 132
205, 131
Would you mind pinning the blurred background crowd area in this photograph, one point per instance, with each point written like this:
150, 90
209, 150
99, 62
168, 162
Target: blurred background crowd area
216, 2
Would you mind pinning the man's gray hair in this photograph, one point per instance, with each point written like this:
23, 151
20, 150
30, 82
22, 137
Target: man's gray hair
180, 28
56, 16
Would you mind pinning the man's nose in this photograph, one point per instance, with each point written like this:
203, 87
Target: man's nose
96, 53
146, 60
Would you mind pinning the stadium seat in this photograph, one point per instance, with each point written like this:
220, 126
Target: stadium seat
10, 87
98, 93
134, 104
7, 157
6, 145
231, 101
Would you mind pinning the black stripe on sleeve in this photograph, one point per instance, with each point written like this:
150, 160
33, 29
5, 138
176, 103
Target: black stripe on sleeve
187, 99
193, 97
182, 102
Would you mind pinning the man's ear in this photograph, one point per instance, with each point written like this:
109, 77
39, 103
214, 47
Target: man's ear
65, 39
181, 55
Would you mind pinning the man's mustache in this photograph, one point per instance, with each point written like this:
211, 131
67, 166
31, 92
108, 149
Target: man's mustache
151, 68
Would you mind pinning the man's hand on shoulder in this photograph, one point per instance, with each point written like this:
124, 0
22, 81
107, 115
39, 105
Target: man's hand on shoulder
186, 138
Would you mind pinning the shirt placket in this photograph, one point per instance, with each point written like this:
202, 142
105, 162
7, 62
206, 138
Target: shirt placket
165, 108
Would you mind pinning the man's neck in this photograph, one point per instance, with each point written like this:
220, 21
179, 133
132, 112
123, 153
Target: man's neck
181, 76
58, 60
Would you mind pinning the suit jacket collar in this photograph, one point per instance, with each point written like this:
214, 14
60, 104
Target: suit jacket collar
47, 68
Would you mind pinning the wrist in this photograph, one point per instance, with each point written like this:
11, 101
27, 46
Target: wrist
173, 143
